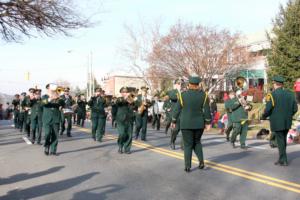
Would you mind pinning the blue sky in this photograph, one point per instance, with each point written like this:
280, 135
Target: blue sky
47, 59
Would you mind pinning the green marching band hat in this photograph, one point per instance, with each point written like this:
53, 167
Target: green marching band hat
144, 88
98, 89
124, 89
194, 79
278, 79
31, 90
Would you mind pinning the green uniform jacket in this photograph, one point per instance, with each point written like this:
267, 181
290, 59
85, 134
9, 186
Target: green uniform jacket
138, 103
124, 111
51, 112
16, 103
97, 105
281, 107
81, 109
69, 102
114, 109
36, 108
193, 107
238, 112
228, 104
167, 108
173, 95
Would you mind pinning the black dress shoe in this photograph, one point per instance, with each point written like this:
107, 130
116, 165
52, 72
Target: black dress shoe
284, 164
278, 163
53, 153
46, 151
69, 135
227, 139
172, 146
201, 165
128, 152
187, 169
233, 145
120, 151
244, 147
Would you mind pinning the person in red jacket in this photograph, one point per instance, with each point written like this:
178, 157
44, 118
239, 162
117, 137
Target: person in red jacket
297, 90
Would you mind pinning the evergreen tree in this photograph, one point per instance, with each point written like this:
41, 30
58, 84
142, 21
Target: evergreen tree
284, 57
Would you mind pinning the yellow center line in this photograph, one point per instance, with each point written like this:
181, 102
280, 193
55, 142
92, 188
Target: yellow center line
221, 167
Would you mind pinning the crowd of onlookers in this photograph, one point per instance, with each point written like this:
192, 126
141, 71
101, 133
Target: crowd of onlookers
6, 113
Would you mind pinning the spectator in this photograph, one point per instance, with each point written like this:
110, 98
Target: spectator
213, 109
297, 90
1, 111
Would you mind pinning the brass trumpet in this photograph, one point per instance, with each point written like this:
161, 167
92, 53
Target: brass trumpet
59, 89
242, 85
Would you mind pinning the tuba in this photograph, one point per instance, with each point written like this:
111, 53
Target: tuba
242, 85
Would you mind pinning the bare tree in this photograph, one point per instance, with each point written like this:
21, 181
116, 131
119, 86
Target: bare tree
20, 18
138, 47
209, 52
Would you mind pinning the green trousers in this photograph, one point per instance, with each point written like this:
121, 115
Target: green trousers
240, 129
98, 127
36, 129
175, 131
65, 118
21, 121
51, 136
125, 135
16, 118
228, 130
192, 141
141, 123
281, 137
273, 142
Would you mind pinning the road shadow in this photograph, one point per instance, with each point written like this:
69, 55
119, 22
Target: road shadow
255, 144
17, 141
47, 188
231, 156
87, 148
98, 193
292, 156
26, 176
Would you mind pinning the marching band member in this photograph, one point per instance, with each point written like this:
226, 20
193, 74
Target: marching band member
36, 117
194, 111
51, 118
142, 103
81, 110
124, 119
67, 116
281, 107
97, 103
16, 108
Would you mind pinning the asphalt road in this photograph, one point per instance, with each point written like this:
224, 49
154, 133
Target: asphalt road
86, 170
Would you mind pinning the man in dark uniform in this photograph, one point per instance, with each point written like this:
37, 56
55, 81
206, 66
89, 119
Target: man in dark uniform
68, 105
167, 108
27, 110
142, 103
98, 115
239, 117
281, 107
174, 97
228, 104
81, 110
36, 117
51, 118
114, 110
156, 113
124, 120
22, 112
193, 106
16, 108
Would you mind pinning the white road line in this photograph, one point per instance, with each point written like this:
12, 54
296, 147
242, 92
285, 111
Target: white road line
26, 140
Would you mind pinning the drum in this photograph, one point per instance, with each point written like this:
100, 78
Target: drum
68, 111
